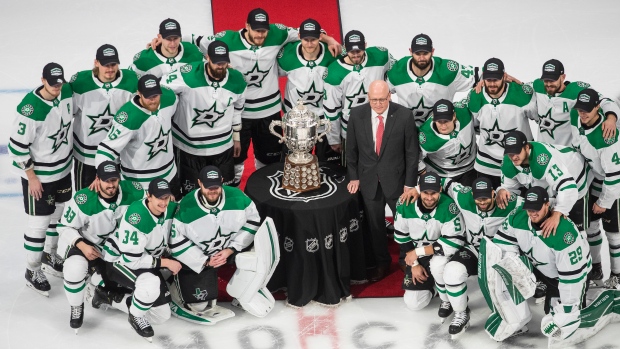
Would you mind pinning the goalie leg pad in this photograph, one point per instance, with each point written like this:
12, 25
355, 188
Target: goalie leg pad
211, 315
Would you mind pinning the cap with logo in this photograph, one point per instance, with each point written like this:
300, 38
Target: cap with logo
148, 86
107, 54
258, 19
169, 27
482, 188
552, 69
493, 69
107, 170
310, 29
587, 100
159, 188
210, 176
218, 52
443, 110
535, 198
514, 141
430, 181
354, 40
54, 74
421, 42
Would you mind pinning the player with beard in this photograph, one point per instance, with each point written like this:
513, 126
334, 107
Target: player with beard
207, 123
347, 83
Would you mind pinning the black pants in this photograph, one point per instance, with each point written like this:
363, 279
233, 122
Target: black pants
197, 288
189, 166
466, 178
427, 285
127, 278
53, 192
267, 148
83, 174
375, 241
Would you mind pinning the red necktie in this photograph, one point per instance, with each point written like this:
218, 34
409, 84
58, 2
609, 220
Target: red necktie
379, 134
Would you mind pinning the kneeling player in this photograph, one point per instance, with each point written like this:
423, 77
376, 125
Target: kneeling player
429, 231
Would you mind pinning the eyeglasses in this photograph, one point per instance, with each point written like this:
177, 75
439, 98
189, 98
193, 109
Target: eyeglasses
378, 100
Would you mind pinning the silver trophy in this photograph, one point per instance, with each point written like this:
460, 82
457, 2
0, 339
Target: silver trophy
300, 129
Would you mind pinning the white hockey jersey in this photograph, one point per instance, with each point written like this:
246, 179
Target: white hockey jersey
151, 61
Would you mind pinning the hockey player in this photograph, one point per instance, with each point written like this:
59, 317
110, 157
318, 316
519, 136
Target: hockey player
213, 224
87, 221
422, 79
168, 55
429, 232
142, 237
254, 50
603, 156
448, 141
140, 135
482, 217
97, 94
41, 149
502, 107
305, 65
206, 126
347, 83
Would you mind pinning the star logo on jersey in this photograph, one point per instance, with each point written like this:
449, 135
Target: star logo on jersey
201, 295
60, 137
207, 117
215, 244
548, 124
101, 122
188, 186
530, 256
474, 238
311, 96
421, 111
156, 251
51, 200
464, 153
256, 76
159, 144
496, 134
359, 98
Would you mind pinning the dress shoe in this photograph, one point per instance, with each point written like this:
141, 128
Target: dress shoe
378, 273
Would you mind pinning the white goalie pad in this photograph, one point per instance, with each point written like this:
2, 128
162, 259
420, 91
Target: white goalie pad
254, 269
519, 279
210, 315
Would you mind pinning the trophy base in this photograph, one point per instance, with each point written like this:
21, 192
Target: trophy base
301, 177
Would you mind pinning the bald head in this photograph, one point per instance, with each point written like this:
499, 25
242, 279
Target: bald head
379, 96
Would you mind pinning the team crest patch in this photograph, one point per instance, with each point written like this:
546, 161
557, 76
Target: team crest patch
465, 190
281, 52
73, 78
458, 105
81, 199
134, 218
381, 48
513, 197
186, 68
453, 208
527, 89
422, 138
121, 117
542, 159
281, 26
325, 73
288, 244
569, 238
137, 185
27, 110
583, 84
136, 56
329, 241
452, 66
610, 141
220, 34
343, 234
312, 245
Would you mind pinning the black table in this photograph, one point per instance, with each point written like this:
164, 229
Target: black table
320, 234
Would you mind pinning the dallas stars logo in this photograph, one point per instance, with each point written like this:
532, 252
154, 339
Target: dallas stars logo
60, 137
157, 250
101, 122
420, 111
530, 256
359, 98
51, 200
496, 134
464, 153
159, 144
311, 96
207, 116
214, 244
549, 124
201, 295
256, 76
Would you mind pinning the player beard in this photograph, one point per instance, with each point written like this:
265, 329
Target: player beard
421, 65
217, 73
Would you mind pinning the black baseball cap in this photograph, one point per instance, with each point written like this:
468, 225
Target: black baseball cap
148, 86
552, 69
107, 170
107, 54
310, 29
430, 181
443, 110
218, 52
169, 27
482, 188
493, 69
258, 19
514, 141
54, 74
159, 188
587, 100
354, 40
535, 198
421, 42
210, 176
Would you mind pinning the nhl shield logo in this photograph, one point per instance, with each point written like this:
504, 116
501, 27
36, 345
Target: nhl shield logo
312, 245
354, 225
327, 189
344, 234
329, 241
288, 244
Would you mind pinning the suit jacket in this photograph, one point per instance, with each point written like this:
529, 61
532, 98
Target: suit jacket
397, 162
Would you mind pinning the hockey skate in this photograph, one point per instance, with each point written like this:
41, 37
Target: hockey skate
142, 326
51, 264
37, 281
613, 282
445, 309
597, 276
460, 323
541, 292
204, 313
77, 317
102, 298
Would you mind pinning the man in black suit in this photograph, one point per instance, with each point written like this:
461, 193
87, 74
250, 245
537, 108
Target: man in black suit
382, 162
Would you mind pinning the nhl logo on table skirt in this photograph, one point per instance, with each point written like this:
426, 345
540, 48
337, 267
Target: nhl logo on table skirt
329, 241
354, 225
327, 189
344, 234
288, 244
312, 245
